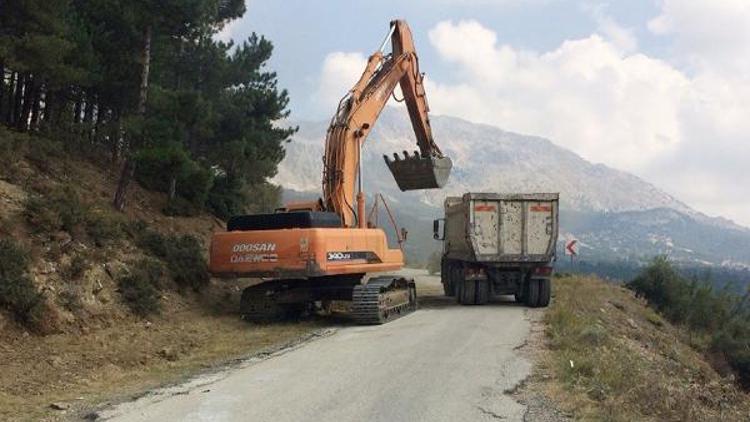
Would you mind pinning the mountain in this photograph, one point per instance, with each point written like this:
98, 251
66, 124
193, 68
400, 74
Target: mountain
614, 214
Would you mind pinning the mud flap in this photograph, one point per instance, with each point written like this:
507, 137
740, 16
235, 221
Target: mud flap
414, 172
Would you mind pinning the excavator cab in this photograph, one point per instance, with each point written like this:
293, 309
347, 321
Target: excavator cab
413, 172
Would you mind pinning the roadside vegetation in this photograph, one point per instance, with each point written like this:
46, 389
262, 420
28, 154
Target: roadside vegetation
17, 292
99, 101
611, 357
715, 320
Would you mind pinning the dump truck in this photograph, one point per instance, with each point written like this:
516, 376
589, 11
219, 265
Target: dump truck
498, 244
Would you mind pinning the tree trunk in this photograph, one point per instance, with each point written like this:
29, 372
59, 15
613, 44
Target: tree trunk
18, 102
145, 70
29, 93
88, 117
9, 108
2, 87
172, 188
53, 107
98, 119
35, 107
128, 169
115, 124
77, 110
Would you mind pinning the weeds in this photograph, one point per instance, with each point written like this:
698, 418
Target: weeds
103, 228
17, 292
63, 210
610, 369
183, 256
141, 289
719, 315
76, 268
11, 149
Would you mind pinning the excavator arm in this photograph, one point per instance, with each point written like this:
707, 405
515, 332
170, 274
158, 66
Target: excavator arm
355, 118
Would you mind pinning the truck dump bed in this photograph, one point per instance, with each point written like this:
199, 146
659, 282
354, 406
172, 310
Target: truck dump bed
501, 228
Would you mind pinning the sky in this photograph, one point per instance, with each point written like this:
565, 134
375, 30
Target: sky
658, 88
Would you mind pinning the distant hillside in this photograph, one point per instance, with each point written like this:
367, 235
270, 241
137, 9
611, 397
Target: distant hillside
616, 215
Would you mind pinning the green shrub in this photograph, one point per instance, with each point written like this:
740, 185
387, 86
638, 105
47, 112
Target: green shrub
179, 207
226, 197
78, 265
153, 243
12, 145
183, 256
721, 316
141, 289
104, 229
43, 152
17, 292
157, 167
194, 183
186, 263
62, 209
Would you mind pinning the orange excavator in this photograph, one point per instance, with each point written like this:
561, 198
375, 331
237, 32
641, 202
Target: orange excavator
322, 251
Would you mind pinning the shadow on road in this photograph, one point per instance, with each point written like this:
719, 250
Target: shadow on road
439, 302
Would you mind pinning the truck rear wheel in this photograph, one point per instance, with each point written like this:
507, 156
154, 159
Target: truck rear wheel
531, 295
448, 279
545, 292
457, 281
538, 292
473, 292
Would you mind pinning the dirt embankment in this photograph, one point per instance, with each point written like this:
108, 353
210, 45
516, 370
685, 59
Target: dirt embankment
602, 354
88, 346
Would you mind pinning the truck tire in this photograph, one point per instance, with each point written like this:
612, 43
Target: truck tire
446, 277
532, 293
545, 292
458, 284
519, 295
482, 289
468, 292
473, 292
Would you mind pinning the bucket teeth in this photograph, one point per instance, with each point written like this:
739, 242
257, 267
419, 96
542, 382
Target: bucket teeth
414, 172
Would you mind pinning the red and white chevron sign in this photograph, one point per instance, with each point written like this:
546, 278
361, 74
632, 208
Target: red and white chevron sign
571, 247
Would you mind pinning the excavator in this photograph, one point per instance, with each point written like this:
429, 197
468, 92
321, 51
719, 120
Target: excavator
322, 251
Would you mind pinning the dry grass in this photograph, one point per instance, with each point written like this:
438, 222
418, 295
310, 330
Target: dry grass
611, 358
127, 359
99, 350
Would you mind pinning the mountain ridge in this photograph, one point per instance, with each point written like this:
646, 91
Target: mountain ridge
487, 158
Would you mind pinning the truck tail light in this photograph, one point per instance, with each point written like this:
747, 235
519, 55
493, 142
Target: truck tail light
543, 271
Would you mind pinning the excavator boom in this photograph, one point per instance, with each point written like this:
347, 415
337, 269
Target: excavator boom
357, 113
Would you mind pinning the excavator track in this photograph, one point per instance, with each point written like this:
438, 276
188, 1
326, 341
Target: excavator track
383, 299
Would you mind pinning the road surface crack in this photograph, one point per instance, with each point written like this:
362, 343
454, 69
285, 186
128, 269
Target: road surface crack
490, 413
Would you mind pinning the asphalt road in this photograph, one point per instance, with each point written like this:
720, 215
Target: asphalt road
442, 363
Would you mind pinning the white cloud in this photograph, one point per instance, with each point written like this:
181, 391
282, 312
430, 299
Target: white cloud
620, 36
610, 104
339, 73
709, 34
586, 94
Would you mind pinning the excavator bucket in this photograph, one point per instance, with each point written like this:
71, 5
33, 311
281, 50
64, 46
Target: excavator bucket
414, 172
